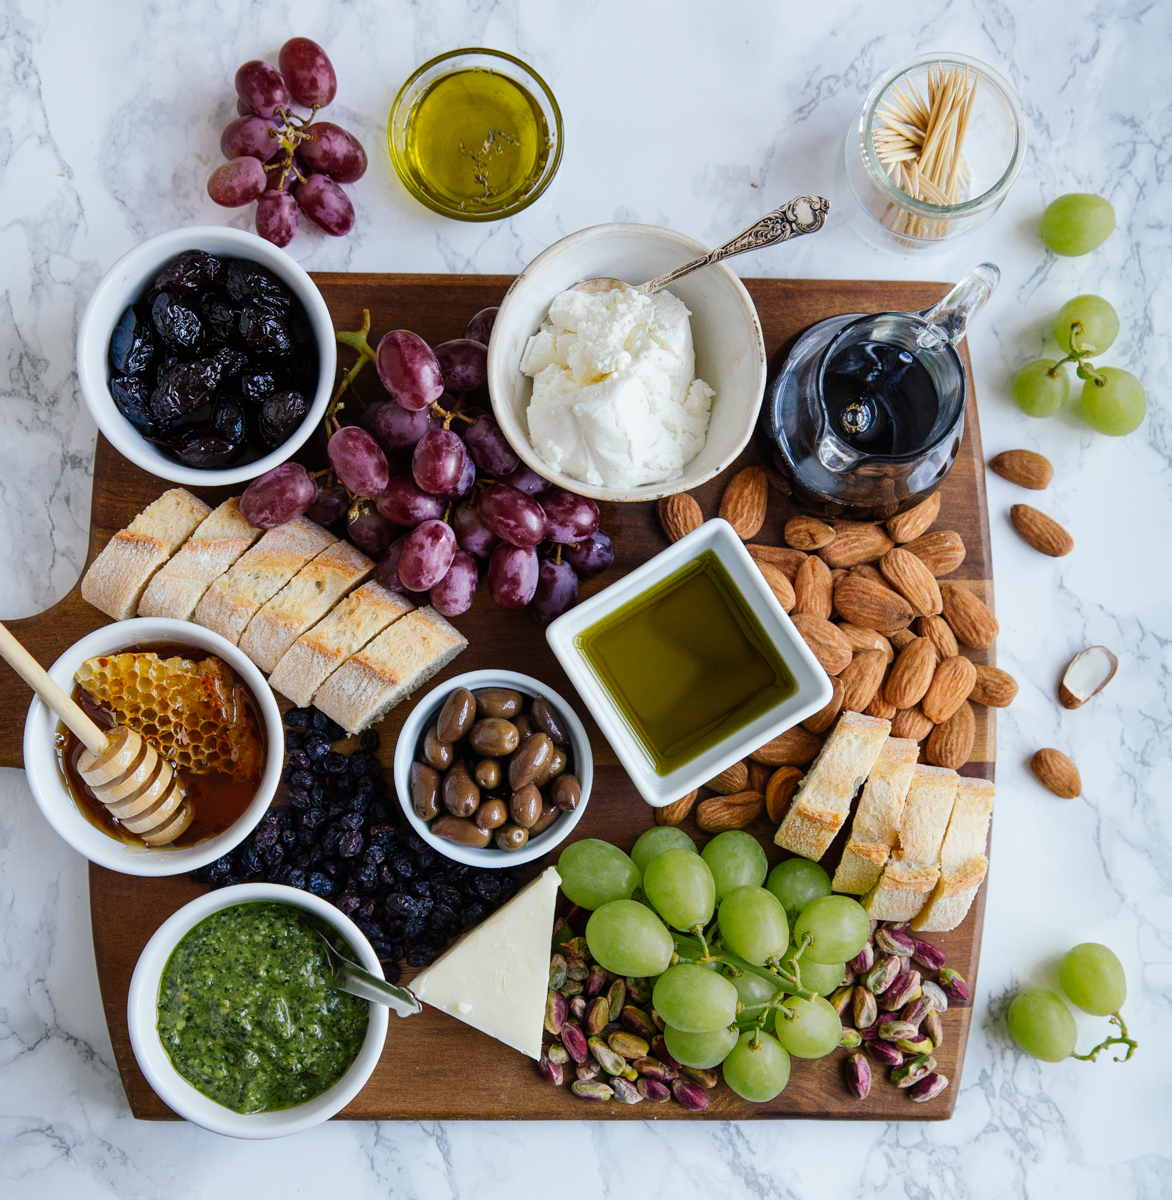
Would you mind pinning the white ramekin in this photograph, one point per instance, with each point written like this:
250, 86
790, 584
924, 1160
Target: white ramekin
122, 285
142, 1019
48, 785
427, 710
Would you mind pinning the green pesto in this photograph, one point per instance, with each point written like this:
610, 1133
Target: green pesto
248, 1013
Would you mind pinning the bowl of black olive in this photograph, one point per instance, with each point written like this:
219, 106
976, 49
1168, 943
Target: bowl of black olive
206, 356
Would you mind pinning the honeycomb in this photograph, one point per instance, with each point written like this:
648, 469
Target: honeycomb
195, 713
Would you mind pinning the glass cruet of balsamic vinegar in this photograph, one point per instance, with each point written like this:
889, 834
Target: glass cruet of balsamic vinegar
867, 414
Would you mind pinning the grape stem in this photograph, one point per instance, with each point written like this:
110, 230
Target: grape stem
290, 136
787, 983
1079, 352
1123, 1039
356, 340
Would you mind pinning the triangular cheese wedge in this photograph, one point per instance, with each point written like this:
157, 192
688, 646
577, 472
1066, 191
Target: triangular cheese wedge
496, 977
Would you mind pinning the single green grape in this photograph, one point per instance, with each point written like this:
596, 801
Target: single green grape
680, 886
752, 924
736, 859
1076, 223
1042, 1025
822, 978
705, 1050
1036, 391
1093, 978
752, 989
839, 926
1099, 321
655, 841
595, 872
629, 939
796, 882
694, 1000
1117, 406
812, 1030
757, 1068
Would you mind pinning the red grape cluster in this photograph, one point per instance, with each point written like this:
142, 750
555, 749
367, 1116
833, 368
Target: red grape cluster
458, 499
283, 160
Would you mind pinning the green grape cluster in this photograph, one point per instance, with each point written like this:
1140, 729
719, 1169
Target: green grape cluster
730, 984
1093, 979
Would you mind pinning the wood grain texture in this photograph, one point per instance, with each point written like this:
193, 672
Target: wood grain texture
434, 1067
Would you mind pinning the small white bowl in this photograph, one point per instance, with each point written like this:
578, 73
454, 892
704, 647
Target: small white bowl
122, 285
730, 349
813, 686
57, 804
142, 1008
427, 710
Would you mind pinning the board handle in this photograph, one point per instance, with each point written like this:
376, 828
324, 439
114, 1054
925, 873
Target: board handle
51, 694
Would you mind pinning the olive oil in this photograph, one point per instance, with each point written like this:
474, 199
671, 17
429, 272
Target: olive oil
476, 141
687, 663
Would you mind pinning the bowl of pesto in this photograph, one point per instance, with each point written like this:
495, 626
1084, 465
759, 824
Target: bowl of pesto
235, 1022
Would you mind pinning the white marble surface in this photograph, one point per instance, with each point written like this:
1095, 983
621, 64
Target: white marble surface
696, 116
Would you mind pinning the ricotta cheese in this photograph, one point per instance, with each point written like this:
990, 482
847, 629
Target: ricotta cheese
615, 399
496, 978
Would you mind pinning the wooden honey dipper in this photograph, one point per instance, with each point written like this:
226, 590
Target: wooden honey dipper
121, 767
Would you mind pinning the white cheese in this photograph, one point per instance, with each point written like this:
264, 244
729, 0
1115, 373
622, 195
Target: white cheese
496, 977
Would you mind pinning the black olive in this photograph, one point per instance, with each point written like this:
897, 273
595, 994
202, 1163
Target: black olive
132, 394
192, 271
264, 333
280, 415
183, 388
228, 419
176, 323
198, 446
131, 344
256, 385
220, 317
246, 281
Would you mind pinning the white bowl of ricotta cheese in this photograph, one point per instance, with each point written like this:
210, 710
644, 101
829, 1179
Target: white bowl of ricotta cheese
621, 397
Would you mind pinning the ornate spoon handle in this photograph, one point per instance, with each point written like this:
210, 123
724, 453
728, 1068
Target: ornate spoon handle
803, 214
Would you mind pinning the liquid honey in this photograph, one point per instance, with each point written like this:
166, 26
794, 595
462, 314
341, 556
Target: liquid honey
687, 663
476, 141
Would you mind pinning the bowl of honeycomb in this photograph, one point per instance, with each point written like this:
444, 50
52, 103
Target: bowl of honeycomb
206, 710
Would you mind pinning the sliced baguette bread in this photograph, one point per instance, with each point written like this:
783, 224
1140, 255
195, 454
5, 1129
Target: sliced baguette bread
962, 859
222, 537
914, 867
387, 669
876, 823
306, 598
320, 651
117, 577
231, 602
823, 798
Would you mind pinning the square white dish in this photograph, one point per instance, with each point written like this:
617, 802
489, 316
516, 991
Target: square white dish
813, 686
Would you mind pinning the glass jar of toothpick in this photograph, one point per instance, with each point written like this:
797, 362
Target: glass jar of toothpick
935, 149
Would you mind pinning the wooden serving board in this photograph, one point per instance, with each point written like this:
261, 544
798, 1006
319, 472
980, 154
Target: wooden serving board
434, 1067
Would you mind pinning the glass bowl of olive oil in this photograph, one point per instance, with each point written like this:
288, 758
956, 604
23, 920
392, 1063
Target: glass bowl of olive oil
475, 135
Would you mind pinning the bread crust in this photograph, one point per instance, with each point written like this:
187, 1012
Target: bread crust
962, 858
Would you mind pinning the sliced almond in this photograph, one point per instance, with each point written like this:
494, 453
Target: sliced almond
1087, 675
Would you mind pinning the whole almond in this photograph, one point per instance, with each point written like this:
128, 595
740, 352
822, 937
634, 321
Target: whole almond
829, 647
807, 533
908, 575
1057, 773
722, 813
879, 707
744, 501
780, 791
787, 561
1023, 467
911, 674
971, 619
941, 551
1040, 531
866, 639
950, 744
677, 810
779, 585
731, 779
950, 688
861, 679
901, 638
821, 721
794, 748
866, 571
679, 515
911, 723
813, 590
939, 633
993, 687
872, 605
909, 525
759, 775
855, 543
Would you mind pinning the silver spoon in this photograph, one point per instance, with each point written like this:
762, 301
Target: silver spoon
803, 214
350, 977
